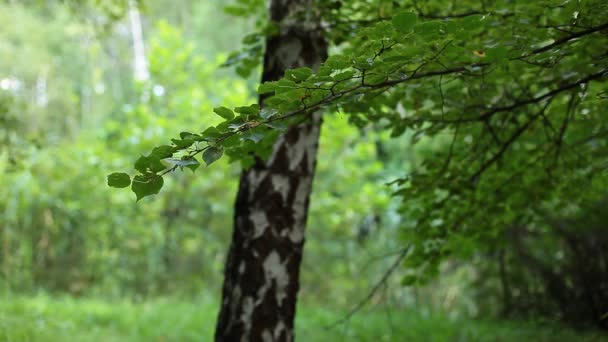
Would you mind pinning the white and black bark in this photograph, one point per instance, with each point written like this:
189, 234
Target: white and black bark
262, 270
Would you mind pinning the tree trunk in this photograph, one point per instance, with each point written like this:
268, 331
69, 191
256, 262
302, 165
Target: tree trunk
262, 270
140, 65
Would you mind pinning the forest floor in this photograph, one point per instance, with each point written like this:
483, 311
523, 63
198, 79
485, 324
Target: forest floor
47, 319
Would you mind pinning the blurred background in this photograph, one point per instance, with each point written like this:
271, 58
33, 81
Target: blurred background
85, 87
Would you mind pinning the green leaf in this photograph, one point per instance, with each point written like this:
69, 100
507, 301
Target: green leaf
267, 113
142, 164
499, 53
193, 167
251, 38
284, 84
375, 79
236, 123
274, 101
290, 105
119, 180
189, 162
337, 62
452, 26
267, 87
212, 154
404, 21
254, 135
279, 125
234, 58
248, 110
149, 163
409, 280
163, 151
231, 141
211, 132
224, 112
299, 74
344, 75
182, 144
146, 185
243, 72
184, 135
430, 28
473, 22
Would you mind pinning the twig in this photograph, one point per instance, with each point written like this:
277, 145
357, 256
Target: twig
508, 143
373, 291
567, 39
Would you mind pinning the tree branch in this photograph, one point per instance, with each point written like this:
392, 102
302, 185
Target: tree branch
508, 143
568, 38
414, 76
373, 291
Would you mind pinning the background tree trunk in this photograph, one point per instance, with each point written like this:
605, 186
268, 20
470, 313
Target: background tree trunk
262, 270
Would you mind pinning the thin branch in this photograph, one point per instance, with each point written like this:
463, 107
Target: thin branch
566, 39
375, 258
521, 103
564, 126
600, 134
539, 98
492, 132
364, 22
483, 117
373, 291
508, 143
450, 15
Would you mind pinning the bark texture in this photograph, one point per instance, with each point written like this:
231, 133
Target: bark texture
262, 270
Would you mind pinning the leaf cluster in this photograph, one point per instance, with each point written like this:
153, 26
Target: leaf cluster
512, 94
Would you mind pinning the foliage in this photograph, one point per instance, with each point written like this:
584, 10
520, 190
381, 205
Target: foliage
549, 269
513, 89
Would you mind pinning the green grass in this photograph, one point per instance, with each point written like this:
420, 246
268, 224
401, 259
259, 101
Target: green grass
48, 319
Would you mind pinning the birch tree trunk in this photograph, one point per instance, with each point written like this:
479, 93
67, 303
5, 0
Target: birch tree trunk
263, 265
140, 64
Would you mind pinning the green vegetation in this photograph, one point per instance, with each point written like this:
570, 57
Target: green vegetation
48, 319
463, 142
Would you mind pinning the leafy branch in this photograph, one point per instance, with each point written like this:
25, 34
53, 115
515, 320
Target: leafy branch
340, 80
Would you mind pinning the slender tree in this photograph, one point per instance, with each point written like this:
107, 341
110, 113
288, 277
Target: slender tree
262, 270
